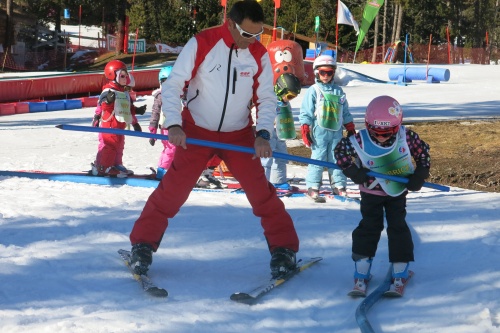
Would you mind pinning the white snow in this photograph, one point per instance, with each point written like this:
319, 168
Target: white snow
60, 271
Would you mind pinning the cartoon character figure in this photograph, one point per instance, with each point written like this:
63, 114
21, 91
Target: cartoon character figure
286, 57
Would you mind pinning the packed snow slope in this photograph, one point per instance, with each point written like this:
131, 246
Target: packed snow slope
58, 241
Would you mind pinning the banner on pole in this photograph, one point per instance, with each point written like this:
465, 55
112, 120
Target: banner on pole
316, 24
371, 10
344, 16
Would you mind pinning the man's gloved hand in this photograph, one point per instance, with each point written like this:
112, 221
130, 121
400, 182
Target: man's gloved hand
140, 109
306, 135
357, 175
96, 120
110, 97
137, 127
417, 180
350, 128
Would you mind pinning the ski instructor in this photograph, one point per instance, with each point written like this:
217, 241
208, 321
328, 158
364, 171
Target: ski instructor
223, 68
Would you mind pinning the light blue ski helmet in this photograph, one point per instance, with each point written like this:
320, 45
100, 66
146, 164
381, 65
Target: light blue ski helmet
164, 73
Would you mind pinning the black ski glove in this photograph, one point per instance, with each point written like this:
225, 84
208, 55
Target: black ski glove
357, 175
137, 127
110, 97
140, 109
417, 180
97, 119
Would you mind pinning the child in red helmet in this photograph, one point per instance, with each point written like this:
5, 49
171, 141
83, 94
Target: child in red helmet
385, 147
117, 111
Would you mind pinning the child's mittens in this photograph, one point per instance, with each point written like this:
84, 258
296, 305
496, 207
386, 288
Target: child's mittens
140, 109
417, 179
357, 175
137, 127
306, 135
350, 128
152, 130
96, 120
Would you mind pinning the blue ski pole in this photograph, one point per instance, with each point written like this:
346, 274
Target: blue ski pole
242, 149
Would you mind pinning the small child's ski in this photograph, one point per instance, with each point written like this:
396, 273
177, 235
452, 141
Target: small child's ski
147, 285
344, 198
295, 180
317, 199
360, 287
397, 287
255, 294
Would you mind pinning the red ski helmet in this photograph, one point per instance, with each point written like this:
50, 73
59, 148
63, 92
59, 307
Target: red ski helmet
112, 67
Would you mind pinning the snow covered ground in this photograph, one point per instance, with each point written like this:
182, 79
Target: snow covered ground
59, 241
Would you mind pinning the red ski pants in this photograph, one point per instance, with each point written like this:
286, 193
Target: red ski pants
176, 185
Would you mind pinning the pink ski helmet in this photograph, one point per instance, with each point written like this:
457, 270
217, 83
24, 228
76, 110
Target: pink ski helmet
383, 116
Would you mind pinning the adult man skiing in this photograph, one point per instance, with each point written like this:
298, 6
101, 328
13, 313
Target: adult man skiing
225, 68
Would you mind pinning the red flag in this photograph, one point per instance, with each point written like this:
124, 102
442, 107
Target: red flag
223, 3
277, 4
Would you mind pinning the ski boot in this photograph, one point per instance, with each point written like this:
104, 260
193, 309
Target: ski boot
141, 258
282, 261
361, 277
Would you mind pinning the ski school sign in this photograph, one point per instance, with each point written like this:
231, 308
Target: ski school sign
139, 48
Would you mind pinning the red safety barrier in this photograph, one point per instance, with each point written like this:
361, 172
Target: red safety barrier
61, 85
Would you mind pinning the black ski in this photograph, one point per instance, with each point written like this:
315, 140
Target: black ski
147, 285
255, 294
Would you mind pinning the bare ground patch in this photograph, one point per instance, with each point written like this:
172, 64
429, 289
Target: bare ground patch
464, 154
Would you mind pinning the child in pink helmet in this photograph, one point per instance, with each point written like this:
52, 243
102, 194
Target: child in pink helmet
385, 147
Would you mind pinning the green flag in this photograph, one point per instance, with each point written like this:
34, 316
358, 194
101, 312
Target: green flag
316, 24
371, 9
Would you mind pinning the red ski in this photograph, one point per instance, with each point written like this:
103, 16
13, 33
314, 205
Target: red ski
360, 288
398, 285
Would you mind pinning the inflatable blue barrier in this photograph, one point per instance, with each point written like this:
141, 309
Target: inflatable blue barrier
37, 106
70, 104
55, 105
311, 54
66, 104
431, 75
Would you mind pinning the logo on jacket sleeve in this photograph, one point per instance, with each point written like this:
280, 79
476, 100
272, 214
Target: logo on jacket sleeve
244, 74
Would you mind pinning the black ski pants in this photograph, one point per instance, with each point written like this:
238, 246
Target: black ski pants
366, 236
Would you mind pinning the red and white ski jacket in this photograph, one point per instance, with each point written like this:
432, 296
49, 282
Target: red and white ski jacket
221, 81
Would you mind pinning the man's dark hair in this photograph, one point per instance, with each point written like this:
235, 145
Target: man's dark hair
246, 9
